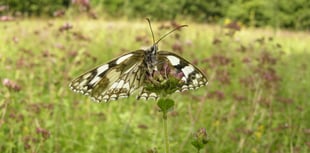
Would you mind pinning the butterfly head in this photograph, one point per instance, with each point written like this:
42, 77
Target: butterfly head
150, 58
153, 49
155, 73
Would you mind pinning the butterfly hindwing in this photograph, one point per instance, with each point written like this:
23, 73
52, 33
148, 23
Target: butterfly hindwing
125, 74
122, 87
146, 95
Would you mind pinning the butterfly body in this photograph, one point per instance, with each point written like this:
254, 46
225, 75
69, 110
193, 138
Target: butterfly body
149, 71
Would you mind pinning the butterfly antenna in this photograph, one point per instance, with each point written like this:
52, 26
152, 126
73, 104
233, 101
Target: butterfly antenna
177, 28
150, 25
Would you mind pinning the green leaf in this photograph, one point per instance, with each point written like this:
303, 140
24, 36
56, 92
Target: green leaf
165, 104
197, 144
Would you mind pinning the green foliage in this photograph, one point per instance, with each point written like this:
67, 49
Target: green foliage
276, 13
258, 13
141, 9
165, 105
35, 7
168, 10
293, 14
257, 99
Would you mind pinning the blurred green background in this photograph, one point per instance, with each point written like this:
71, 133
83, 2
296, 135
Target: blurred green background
257, 13
255, 54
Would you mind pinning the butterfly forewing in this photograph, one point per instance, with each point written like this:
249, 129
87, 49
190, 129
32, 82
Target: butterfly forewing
191, 76
116, 79
172, 66
154, 73
127, 73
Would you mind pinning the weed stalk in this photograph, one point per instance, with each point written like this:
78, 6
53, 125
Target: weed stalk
165, 105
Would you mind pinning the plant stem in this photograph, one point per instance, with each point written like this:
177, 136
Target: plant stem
165, 105
166, 132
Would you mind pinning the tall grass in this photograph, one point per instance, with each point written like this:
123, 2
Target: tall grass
256, 101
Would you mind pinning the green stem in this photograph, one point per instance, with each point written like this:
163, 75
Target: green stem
166, 132
165, 105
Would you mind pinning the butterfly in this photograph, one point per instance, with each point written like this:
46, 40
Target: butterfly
138, 70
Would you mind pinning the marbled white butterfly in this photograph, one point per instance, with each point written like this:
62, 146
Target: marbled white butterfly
137, 70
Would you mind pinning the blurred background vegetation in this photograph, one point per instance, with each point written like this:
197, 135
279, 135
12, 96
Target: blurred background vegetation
255, 54
294, 14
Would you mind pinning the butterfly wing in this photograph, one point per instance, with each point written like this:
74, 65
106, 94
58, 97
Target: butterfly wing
191, 76
125, 74
116, 79
146, 95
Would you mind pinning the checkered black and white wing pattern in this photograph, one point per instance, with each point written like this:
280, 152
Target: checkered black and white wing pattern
192, 77
147, 95
116, 79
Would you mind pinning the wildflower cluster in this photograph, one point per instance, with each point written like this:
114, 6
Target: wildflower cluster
165, 81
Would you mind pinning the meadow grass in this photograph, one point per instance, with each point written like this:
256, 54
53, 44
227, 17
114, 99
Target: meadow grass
257, 99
